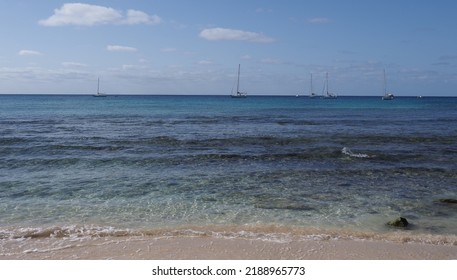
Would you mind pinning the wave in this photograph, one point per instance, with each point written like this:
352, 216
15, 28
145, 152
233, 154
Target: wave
264, 141
63, 232
348, 152
167, 158
265, 232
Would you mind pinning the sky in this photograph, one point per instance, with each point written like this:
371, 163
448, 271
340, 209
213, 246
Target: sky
195, 46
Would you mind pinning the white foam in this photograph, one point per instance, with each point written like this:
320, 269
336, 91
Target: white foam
350, 153
71, 232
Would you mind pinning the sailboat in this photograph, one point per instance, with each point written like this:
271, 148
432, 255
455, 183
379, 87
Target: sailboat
328, 95
387, 95
99, 94
238, 93
312, 94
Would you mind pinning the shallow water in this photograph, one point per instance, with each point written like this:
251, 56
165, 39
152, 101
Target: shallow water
78, 165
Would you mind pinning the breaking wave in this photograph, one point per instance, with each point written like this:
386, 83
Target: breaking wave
348, 152
265, 232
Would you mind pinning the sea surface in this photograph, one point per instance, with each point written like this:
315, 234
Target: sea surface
256, 167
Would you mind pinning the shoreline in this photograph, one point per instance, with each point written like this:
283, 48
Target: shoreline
214, 248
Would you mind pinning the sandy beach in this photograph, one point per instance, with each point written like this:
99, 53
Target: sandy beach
211, 248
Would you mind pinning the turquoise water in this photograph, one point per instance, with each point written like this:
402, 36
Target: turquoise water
145, 163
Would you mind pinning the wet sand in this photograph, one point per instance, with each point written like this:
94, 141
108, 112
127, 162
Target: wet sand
211, 248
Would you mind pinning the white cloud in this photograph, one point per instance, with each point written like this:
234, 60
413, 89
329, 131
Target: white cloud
87, 15
131, 67
139, 17
73, 64
28, 53
271, 61
215, 34
319, 20
117, 48
205, 62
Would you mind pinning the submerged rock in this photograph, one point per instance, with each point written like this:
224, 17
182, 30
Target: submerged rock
448, 200
398, 222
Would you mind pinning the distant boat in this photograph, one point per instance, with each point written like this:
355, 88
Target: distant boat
238, 93
99, 94
312, 94
387, 95
327, 94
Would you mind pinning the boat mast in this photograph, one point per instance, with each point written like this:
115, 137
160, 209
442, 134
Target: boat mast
385, 83
311, 84
98, 85
326, 82
238, 81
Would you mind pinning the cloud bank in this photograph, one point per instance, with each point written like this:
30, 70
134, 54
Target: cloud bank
88, 15
216, 34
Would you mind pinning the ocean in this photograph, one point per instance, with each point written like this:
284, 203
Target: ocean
267, 167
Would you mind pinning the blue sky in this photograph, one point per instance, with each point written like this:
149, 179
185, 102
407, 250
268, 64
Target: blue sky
194, 47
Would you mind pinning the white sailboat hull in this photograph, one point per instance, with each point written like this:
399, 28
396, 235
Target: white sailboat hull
239, 95
388, 96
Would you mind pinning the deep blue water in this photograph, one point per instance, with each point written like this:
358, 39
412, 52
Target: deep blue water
150, 162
